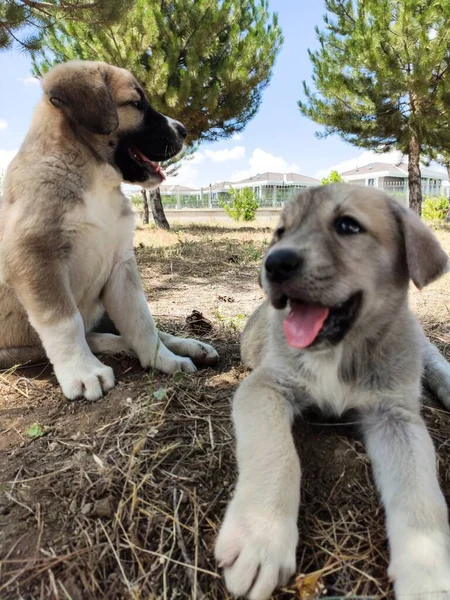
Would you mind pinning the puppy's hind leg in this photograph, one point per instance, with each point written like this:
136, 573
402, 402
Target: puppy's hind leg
108, 343
21, 356
437, 372
404, 465
199, 352
125, 303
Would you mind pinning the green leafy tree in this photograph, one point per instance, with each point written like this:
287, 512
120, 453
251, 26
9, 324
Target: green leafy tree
204, 62
23, 22
382, 78
243, 204
333, 177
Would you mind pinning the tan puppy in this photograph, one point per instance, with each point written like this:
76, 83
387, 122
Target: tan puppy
66, 231
336, 333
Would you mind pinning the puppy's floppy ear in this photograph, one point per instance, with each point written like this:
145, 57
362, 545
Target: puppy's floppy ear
80, 89
425, 258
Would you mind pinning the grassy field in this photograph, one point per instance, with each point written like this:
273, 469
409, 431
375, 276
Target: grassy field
122, 498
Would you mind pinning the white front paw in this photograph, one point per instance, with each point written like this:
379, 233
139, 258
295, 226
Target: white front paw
422, 584
422, 571
256, 547
84, 376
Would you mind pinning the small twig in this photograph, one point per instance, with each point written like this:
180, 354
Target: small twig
192, 575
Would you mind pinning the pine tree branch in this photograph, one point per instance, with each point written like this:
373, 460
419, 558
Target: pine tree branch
40, 6
66, 6
16, 39
112, 37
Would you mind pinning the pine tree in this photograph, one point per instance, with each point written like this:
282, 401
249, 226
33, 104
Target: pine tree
203, 62
443, 158
23, 22
382, 78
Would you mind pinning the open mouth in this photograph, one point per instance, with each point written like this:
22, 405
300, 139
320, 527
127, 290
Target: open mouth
307, 324
145, 162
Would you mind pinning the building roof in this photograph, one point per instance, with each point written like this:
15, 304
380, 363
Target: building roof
398, 170
175, 188
220, 185
279, 178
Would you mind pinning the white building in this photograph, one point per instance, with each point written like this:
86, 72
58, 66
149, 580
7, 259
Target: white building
272, 190
394, 178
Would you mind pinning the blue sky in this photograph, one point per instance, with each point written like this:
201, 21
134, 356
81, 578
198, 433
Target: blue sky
279, 138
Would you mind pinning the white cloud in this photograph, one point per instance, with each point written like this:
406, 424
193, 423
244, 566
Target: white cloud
187, 175
235, 153
197, 158
3, 124
261, 161
28, 80
237, 136
6, 157
365, 158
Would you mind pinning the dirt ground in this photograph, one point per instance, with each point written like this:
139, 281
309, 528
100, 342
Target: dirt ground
122, 498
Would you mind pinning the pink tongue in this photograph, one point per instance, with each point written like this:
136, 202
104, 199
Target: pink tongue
303, 324
154, 164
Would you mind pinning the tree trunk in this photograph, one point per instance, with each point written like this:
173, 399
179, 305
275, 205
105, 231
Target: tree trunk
158, 210
447, 166
145, 211
414, 176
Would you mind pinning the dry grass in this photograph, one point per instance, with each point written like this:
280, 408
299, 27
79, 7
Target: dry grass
123, 498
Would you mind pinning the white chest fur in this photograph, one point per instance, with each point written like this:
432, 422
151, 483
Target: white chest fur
102, 230
324, 383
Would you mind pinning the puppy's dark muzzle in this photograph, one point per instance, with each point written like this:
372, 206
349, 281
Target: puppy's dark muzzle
181, 130
282, 264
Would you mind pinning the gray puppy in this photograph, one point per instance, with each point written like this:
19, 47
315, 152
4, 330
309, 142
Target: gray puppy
336, 333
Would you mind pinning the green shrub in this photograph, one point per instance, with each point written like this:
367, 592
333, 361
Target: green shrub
243, 205
333, 177
435, 209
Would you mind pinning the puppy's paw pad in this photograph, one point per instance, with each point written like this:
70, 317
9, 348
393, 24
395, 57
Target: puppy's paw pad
89, 379
228, 547
256, 551
186, 366
206, 354
423, 582
170, 363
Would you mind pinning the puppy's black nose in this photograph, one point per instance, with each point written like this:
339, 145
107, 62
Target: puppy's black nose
181, 129
282, 264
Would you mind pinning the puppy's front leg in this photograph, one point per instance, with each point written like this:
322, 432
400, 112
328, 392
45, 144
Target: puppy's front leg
257, 542
124, 301
44, 291
404, 466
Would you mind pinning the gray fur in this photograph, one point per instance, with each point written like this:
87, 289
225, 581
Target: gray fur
375, 370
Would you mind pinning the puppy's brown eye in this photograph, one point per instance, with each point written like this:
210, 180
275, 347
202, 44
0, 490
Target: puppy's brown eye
348, 226
280, 232
137, 104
